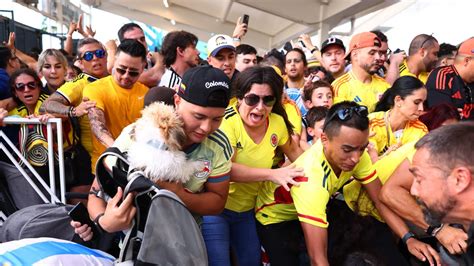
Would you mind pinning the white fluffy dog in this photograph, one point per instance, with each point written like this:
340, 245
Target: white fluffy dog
158, 138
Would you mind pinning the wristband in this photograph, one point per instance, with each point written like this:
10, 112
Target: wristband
407, 236
434, 230
314, 50
236, 39
97, 224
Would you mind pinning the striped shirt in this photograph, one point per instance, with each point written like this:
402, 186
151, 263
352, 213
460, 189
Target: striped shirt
170, 79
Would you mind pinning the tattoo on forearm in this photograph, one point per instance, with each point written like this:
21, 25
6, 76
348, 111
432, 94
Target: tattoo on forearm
56, 105
99, 127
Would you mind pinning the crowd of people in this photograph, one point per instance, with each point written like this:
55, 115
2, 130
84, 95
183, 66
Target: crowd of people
354, 155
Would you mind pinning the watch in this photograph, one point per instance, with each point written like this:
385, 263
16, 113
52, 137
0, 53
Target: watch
97, 224
407, 236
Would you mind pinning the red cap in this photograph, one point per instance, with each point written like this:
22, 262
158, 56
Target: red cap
363, 40
467, 47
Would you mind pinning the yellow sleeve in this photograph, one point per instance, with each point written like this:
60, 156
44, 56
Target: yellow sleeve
228, 126
365, 172
310, 200
72, 90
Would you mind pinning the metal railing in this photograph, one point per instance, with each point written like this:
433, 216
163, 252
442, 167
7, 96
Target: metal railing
52, 181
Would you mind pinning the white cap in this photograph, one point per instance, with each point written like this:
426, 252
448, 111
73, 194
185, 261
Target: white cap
219, 42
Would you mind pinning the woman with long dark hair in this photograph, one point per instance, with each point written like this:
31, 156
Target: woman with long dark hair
256, 124
395, 121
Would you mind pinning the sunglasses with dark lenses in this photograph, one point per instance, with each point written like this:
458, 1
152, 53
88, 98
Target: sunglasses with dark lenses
22, 86
254, 99
131, 73
89, 55
346, 114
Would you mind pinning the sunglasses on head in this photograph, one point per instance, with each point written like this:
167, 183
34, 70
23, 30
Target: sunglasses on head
254, 99
346, 114
89, 55
131, 73
22, 86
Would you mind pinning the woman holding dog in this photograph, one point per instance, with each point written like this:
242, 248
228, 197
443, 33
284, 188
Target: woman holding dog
256, 126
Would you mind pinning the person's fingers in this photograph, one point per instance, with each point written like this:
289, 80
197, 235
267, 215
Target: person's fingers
285, 186
127, 202
116, 199
239, 19
75, 224
463, 246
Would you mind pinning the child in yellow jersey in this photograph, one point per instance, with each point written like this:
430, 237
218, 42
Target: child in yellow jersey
255, 126
396, 121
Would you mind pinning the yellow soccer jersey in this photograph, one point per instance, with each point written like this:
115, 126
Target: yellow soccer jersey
307, 202
121, 107
22, 111
349, 88
357, 198
413, 131
242, 196
404, 71
72, 92
294, 115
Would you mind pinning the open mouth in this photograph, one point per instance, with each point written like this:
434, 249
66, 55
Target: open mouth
255, 118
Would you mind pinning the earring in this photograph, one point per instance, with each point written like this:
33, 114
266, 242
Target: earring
399, 105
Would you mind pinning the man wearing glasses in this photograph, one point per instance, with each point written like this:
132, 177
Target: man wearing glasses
68, 100
118, 98
285, 216
154, 68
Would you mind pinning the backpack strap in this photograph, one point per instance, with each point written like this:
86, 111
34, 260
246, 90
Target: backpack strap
110, 179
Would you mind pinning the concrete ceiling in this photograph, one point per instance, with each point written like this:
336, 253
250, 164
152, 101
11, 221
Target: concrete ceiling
272, 22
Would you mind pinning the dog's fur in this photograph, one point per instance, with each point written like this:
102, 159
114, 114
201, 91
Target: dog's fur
158, 138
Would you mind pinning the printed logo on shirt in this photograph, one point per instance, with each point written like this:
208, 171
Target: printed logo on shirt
274, 140
457, 95
238, 145
206, 170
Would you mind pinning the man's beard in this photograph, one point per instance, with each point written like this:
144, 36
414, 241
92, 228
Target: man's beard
436, 216
370, 68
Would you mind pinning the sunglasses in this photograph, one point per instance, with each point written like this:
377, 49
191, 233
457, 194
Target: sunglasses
22, 86
131, 73
346, 114
89, 55
254, 99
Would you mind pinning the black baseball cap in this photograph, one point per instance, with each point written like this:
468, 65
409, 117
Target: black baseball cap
332, 41
205, 86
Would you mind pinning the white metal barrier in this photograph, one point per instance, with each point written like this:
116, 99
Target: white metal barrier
52, 181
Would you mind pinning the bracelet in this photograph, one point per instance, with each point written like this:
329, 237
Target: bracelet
236, 39
314, 49
434, 230
97, 224
72, 112
407, 236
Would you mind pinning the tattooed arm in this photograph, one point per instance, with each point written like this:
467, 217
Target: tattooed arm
99, 128
59, 106
56, 104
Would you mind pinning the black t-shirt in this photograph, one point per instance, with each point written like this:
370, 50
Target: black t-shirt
446, 86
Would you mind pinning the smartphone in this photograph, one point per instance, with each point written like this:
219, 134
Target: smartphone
80, 214
245, 19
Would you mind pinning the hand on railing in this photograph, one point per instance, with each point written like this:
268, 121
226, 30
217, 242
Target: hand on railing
3, 114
